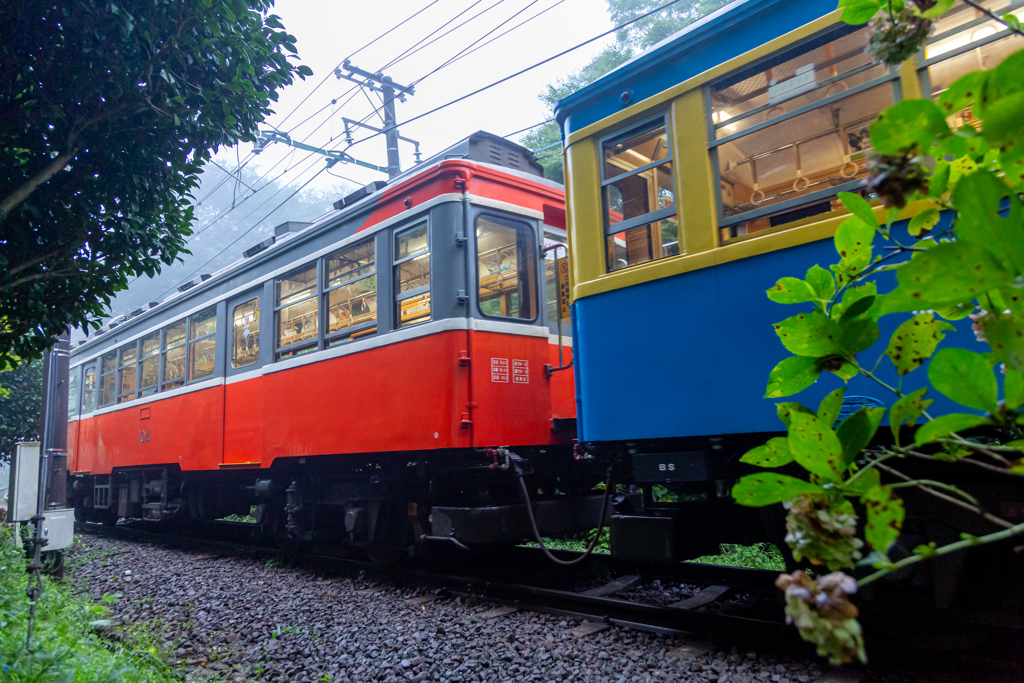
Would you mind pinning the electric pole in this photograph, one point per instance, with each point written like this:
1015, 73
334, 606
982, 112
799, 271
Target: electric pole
388, 90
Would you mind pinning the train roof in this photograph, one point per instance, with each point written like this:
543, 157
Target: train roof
728, 32
482, 149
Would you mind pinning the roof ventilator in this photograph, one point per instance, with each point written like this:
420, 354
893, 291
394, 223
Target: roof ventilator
361, 193
198, 280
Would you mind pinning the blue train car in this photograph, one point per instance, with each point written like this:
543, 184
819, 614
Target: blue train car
699, 173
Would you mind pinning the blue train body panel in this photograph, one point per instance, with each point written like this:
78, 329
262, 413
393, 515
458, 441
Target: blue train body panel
690, 355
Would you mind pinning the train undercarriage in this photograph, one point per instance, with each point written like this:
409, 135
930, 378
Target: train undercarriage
386, 504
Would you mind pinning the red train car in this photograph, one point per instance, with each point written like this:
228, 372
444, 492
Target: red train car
354, 377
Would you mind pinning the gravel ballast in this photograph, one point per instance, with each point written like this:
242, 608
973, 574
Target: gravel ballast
242, 619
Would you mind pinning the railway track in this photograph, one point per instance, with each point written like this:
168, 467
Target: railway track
740, 606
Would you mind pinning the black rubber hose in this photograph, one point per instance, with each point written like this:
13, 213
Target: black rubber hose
600, 523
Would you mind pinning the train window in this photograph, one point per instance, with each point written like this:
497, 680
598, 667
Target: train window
964, 39
351, 293
553, 259
73, 392
174, 355
505, 257
245, 332
297, 312
791, 132
127, 370
412, 275
149, 365
202, 342
108, 378
639, 194
89, 390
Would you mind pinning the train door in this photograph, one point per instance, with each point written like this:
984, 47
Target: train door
509, 385
246, 352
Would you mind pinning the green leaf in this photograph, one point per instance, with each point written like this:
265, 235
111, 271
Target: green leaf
1005, 334
815, 446
856, 431
859, 12
939, 182
915, 340
860, 208
828, 409
907, 409
775, 453
785, 411
791, 376
885, 517
1013, 388
305, 70
809, 334
791, 290
865, 482
1002, 101
965, 377
853, 243
821, 281
846, 371
945, 425
856, 301
923, 222
768, 488
1012, 162
938, 9
926, 280
907, 124
978, 198
963, 92
858, 334
955, 311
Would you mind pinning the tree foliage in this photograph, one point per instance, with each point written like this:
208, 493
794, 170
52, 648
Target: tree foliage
961, 254
629, 41
21, 396
107, 112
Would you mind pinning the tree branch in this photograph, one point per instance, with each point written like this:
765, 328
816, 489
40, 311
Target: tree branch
992, 15
22, 193
921, 484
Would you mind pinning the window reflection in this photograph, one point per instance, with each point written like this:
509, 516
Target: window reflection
643, 243
201, 351
352, 295
127, 354
245, 332
639, 196
412, 275
89, 390
174, 355
149, 367
505, 268
298, 312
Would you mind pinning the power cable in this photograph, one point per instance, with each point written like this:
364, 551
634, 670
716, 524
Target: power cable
330, 73
523, 71
523, 130
464, 50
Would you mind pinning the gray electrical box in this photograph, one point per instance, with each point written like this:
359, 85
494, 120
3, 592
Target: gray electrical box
59, 528
58, 525
23, 494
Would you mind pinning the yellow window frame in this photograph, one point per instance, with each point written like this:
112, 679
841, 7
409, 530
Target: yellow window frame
700, 245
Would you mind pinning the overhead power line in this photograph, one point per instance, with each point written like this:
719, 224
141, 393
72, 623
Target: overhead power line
329, 73
528, 69
523, 130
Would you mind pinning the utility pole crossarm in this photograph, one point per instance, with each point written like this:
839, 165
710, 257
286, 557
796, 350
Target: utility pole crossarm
333, 157
388, 89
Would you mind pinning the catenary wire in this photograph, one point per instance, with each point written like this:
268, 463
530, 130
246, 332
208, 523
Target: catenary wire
330, 73
523, 71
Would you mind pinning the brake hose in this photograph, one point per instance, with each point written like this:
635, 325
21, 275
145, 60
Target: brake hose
536, 532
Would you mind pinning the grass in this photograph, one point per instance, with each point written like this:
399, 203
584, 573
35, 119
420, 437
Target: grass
66, 648
757, 556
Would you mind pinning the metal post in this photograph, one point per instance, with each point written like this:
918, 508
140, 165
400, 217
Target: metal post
52, 450
390, 126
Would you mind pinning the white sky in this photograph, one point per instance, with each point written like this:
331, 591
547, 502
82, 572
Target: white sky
329, 30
